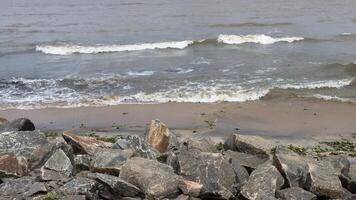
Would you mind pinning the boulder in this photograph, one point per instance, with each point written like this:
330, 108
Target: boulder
190, 188
160, 137
40, 156
295, 193
293, 167
82, 162
21, 143
21, 124
203, 144
323, 180
37, 188
118, 186
51, 175
74, 197
349, 180
109, 161
182, 197
241, 173
155, 179
211, 170
84, 144
60, 162
12, 188
80, 186
339, 162
250, 162
3, 121
10, 166
264, 181
138, 145
255, 145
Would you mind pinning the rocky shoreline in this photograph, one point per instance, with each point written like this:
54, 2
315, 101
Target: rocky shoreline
162, 165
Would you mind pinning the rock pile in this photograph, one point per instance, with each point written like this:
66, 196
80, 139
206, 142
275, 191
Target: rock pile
161, 165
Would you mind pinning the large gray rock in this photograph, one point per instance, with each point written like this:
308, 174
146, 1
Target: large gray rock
160, 137
60, 162
263, 182
21, 124
255, 145
295, 193
349, 180
118, 186
40, 155
84, 144
293, 167
80, 186
21, 143
155, 179
109, 161
138, 145
339, 162
82, 162
16, 188
211, 170
247, 160
203, 144
323, 180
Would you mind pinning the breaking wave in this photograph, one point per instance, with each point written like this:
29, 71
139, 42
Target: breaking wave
62, 48
67, 48
77, 92
258, 39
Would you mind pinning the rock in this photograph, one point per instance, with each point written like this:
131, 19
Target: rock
250, 162
203, 144
241, 173
160, 138
3, 121
10, 166
109, 161
155, 179
74, 197
21, 124
138, 145
182, 197
21, 143
295, 193
263, 182
60, 162
349, 180
323, 180
119, 186
11, 188
82, 162
40, 156
190, 188
255, 145
80, 186
51, 175
293, 167
211, 170
37, 188
339, 162
84, 144
172, 160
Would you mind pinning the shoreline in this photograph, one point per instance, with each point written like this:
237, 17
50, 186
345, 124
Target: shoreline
276, 117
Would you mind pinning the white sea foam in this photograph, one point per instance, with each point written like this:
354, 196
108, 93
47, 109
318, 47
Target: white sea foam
67, 49
333, 98
318, 84
143, 73
259, 39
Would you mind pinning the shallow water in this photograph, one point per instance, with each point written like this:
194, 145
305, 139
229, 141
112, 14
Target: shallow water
88, 52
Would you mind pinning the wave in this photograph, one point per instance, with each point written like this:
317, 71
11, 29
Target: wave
113, 90
67, 48
318, 84
250, 24
349, 68
64, 48
259, 39
143, 73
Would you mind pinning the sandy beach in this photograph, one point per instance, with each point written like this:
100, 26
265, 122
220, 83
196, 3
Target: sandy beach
283, 117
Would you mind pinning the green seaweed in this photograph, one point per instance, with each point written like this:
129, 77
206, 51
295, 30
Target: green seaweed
297, 149
219, 146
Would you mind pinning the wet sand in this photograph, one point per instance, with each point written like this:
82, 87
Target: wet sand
292, 117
